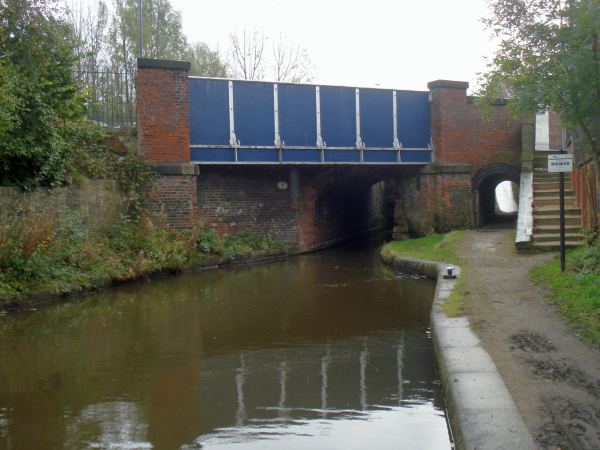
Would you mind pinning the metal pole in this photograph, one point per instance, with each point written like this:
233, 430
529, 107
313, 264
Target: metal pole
561, 179
140, 42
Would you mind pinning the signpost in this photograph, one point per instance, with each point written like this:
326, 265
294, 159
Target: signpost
561, 163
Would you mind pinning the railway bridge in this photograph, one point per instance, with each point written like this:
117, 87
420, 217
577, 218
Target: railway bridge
312, 164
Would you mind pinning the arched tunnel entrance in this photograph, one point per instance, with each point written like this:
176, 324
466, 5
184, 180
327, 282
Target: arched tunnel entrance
496, 194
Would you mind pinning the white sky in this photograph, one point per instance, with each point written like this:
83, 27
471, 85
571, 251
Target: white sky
399, 44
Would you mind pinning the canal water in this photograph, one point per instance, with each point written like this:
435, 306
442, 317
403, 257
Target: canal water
324, 351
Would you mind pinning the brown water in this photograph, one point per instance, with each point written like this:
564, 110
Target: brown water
325, 351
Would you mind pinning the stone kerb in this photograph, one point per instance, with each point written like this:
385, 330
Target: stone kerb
482, 413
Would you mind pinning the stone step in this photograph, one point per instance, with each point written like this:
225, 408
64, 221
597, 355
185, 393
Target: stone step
570, 201
555, 245
554, 219
555, 237
549, 210
543, 172
552, 193
548, 178
556, 229
546, 185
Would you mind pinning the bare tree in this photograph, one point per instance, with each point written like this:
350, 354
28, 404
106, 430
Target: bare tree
90, 23
246, 55
291, 62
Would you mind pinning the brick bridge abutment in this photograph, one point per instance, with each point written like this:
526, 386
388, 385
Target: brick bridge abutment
307, 206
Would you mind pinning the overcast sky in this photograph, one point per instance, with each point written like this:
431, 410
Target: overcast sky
399, 44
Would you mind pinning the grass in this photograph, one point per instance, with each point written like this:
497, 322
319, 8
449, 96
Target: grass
441, 248
576, 292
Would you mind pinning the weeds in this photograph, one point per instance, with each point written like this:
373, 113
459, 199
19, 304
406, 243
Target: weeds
48, 249
576, 292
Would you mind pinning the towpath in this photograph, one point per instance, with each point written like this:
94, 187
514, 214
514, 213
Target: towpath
553, 376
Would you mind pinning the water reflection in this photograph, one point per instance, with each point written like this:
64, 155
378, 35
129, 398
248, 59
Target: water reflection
360, 378
313, 350
414, 426
118, 425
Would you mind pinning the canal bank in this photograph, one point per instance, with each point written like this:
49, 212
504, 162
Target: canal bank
481, 410
550, 372
248, 250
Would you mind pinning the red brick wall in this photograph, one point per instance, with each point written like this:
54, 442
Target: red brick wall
175, 197
319, 205
434, 203
461, 134
162, 110
238, 199
554, 125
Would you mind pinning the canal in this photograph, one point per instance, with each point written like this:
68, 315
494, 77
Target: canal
325, 351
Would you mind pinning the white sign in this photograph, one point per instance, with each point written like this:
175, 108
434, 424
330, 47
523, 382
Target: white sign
560, 163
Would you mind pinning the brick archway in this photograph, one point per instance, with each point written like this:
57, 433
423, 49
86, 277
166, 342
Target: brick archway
484, 184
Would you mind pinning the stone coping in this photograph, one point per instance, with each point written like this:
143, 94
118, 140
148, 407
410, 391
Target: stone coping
481, 411
149, 63
447, 84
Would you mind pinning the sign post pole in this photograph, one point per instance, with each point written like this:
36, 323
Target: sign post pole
561, 185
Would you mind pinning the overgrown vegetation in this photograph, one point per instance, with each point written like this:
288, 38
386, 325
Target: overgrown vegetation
52, 250
42, 120
576, 292
549, 59
441, 248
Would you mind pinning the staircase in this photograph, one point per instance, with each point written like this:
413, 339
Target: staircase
546, 208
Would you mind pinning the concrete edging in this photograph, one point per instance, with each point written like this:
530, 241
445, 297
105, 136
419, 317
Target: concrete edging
481, 411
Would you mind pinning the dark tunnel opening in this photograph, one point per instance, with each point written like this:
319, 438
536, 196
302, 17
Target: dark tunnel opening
351, 207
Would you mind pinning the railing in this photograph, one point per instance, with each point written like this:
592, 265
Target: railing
110, 97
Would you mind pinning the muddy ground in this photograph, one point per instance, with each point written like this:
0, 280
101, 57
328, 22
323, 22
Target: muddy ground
552, 374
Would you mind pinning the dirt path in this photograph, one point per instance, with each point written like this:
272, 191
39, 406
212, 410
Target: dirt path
553, 376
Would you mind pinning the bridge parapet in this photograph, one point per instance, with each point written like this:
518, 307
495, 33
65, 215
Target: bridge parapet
256, 122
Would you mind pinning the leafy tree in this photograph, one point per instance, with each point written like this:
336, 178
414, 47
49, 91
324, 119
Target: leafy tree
9, 100
548, 58
40, 107
162, 37
205, 62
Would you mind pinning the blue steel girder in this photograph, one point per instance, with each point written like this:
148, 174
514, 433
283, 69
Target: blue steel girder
250, 122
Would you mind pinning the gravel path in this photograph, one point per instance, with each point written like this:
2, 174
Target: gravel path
553, 376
